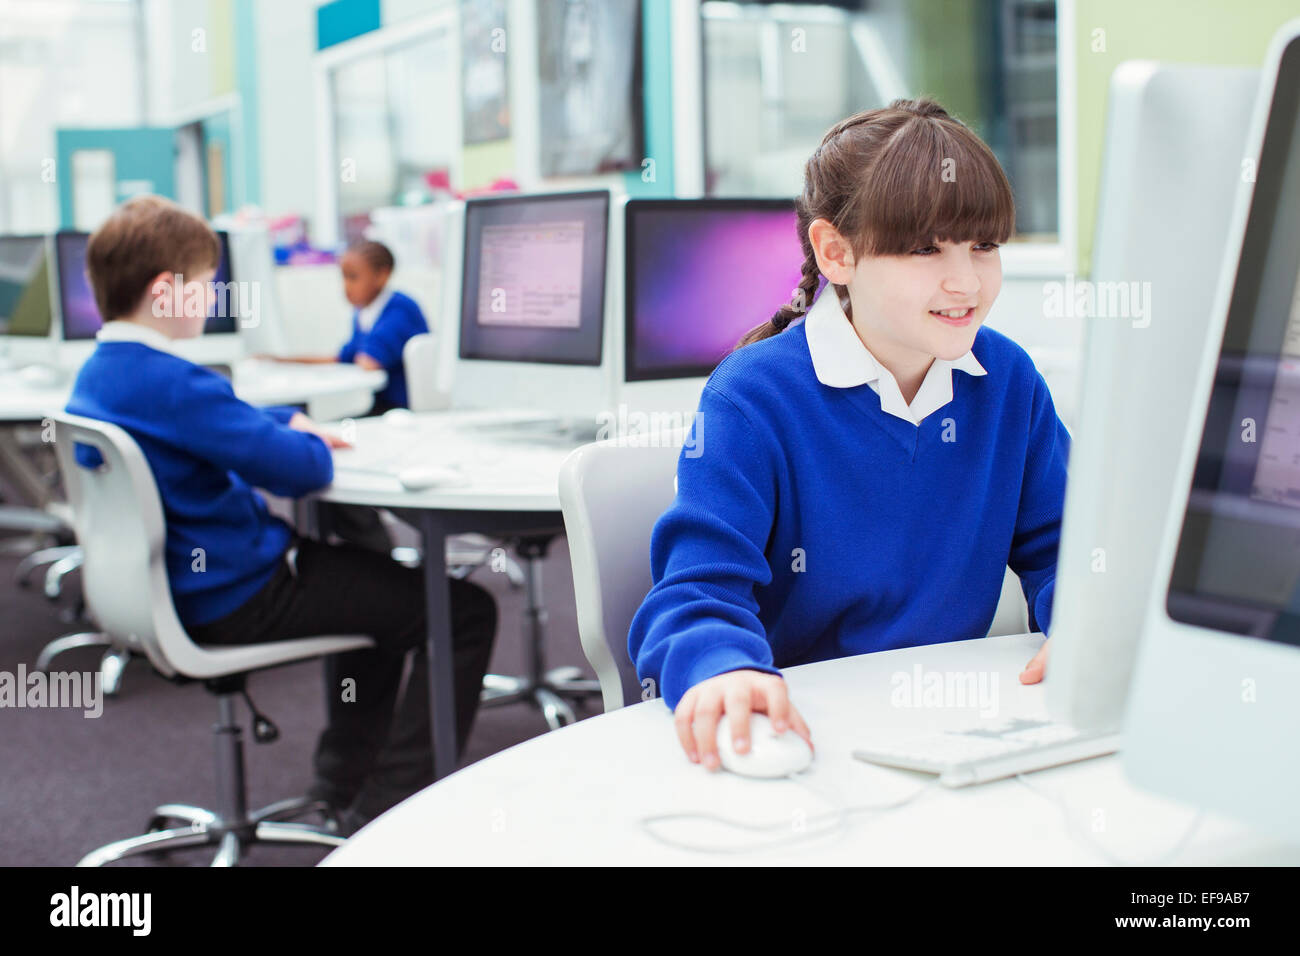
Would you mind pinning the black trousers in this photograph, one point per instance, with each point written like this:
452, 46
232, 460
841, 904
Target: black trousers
376, 749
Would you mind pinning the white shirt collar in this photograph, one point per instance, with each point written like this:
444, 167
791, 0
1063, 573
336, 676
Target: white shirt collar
367, 317
841, 360
121, 330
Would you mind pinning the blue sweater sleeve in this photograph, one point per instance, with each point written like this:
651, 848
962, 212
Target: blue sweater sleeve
395, 326
700, 618
348, 353
1042, 502
213, 424
280, 413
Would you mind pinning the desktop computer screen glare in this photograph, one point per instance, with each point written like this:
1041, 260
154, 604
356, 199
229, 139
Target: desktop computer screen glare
81, 318
700, 274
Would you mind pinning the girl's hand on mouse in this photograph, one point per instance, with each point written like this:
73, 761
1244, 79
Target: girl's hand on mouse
736, 694
1037, 665
301, 423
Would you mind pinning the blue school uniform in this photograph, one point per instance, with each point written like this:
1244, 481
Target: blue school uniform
395, 319
207, 450
819, 515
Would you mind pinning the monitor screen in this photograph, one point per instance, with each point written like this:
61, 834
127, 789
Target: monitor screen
700, 274
1237, 564
81, 318
534, 278
24, 286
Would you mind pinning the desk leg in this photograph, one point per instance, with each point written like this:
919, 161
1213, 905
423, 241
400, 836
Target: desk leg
442, 690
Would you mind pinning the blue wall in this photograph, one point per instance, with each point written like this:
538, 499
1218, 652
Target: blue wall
145, 154
344, 19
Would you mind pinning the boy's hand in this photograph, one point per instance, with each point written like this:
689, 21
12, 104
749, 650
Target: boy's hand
737, 694
1033, 671
301, 423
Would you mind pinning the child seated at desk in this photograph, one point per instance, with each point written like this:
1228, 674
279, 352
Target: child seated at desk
383, 322
872, 470
258, 581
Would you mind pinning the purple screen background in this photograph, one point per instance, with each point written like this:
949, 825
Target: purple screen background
704, 277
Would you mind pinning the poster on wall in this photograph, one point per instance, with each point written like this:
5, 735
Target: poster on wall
589, 65
483, 70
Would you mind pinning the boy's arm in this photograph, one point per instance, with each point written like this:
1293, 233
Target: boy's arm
255, 444
1042, 502
348, 352
389, 335
700, 618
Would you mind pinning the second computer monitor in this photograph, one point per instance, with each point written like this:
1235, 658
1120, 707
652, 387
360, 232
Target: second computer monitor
533, 286
81, 318
525, 305
699, 274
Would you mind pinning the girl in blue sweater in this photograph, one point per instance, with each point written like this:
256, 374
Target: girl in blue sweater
870, 471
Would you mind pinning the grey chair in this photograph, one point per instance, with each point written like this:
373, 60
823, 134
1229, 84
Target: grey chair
119, 522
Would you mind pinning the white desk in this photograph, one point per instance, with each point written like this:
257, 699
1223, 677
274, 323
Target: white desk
511, 487
575, 796
327, 390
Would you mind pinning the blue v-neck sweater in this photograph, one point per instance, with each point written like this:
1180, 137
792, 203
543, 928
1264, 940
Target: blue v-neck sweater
811, 524
207, 450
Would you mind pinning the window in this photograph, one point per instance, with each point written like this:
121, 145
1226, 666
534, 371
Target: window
776, 77
394, 123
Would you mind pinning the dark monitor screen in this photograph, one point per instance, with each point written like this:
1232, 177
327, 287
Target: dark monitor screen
81, 318
533, 286
700, 274
1237, 565
24, 286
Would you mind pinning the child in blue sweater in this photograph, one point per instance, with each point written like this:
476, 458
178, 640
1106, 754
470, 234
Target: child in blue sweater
383, 322
238, 575
869, 472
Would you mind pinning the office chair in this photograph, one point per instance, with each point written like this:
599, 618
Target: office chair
119, 522
611, 497
420, 363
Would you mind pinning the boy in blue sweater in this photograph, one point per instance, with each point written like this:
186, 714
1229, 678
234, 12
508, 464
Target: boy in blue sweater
871, 471
238, 575
383, 322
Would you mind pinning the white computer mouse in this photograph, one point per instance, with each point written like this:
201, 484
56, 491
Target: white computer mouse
399, 417
41, 376
770, 754
420, 477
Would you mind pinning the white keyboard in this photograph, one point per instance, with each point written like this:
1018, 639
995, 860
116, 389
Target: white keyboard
986, 752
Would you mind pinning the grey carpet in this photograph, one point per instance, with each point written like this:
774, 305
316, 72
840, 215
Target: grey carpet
69, 784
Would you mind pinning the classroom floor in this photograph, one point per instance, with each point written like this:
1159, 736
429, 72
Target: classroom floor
70, 784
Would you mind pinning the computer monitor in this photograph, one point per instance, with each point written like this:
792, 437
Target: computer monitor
529, 311
698, 274
24, 286
80, 319
1175, 137
1214, 712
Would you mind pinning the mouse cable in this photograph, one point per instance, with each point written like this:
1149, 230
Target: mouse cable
838, 818
1082, 836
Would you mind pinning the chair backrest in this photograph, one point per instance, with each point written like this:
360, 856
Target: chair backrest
1012, 616
119, 522
611, 497
420, 361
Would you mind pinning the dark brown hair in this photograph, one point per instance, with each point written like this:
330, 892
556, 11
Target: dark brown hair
143, 237
374, 254
892, 180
